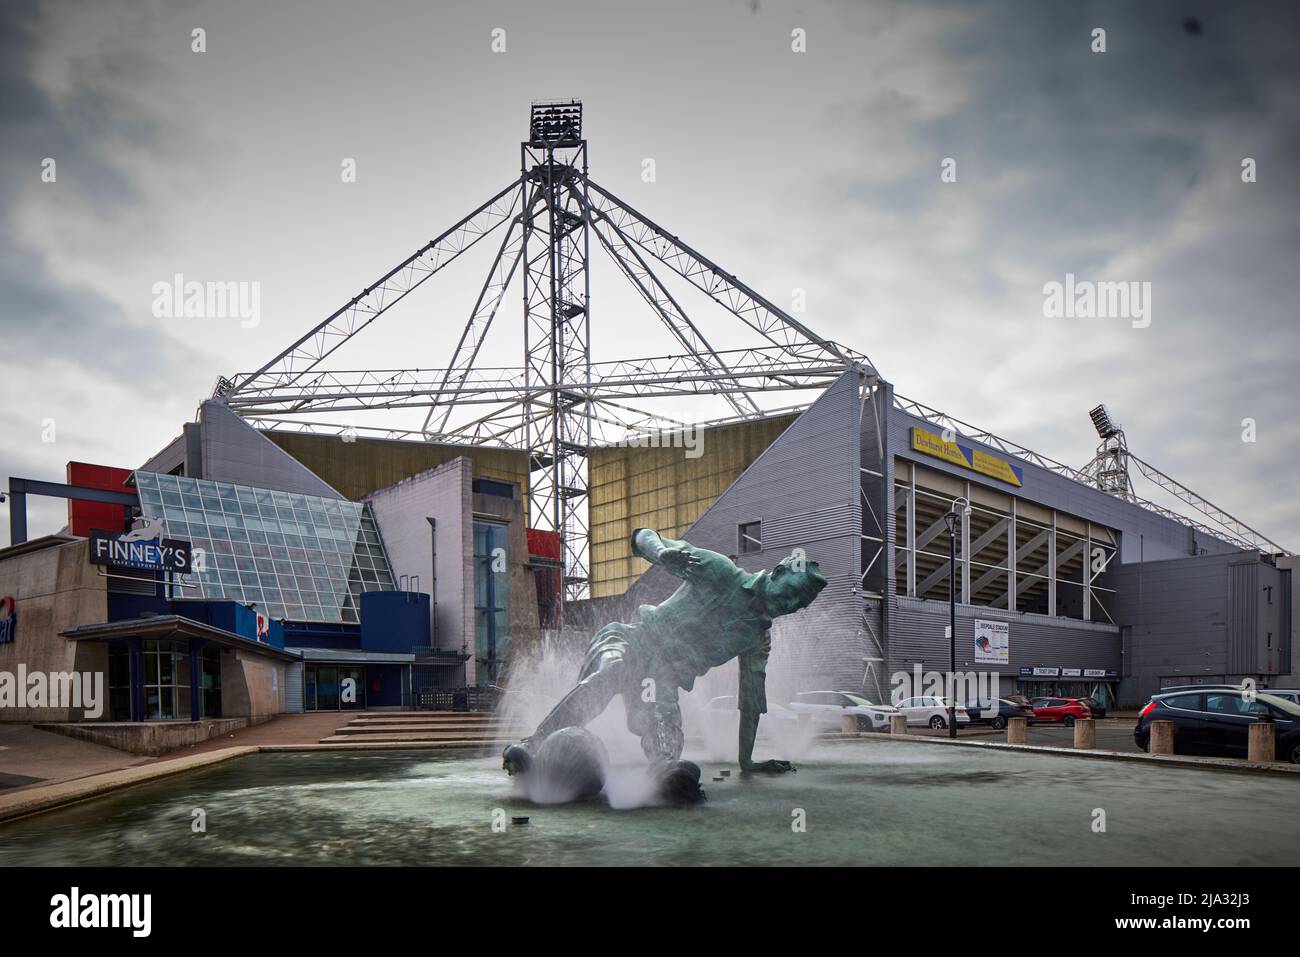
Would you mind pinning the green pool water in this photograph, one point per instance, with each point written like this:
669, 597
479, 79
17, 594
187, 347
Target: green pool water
863, 802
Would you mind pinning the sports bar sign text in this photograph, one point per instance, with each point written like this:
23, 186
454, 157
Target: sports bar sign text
928, 443
153, 555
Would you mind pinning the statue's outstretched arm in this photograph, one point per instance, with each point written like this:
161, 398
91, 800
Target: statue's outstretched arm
681, 559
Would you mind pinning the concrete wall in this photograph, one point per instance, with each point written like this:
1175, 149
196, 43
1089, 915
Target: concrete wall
55, 589
252, 685
152, 738
445, 494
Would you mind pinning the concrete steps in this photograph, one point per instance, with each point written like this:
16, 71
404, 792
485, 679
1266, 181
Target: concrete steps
445, 728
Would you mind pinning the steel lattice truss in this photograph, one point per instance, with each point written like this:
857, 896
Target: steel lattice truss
1112, 460
559, 403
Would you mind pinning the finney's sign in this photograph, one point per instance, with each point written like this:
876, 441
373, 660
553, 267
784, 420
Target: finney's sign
143, 548
8, 619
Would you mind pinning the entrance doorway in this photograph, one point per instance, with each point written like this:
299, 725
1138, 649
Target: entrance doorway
334, 688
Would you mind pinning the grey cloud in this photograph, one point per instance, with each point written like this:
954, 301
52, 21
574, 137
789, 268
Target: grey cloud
40, 315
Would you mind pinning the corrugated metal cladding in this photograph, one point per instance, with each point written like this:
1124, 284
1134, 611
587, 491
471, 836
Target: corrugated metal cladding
808, 490
806, 528
1144, 533
1258, 618
918, 636
293, 687
1213, 617
1243, 615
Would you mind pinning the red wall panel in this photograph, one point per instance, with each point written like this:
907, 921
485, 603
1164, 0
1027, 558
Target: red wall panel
83, 516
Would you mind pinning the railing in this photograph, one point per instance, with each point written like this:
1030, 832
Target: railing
456, 699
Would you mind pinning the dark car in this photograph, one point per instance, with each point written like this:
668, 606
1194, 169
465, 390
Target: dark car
1217, 721
1095, 706
981, 712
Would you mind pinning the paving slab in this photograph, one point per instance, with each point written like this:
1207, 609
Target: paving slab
29, 756
32, 800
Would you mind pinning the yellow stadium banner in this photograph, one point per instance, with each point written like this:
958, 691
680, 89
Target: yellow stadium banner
936, 446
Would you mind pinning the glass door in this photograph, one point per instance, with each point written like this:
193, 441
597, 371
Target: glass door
352, 680
327, 688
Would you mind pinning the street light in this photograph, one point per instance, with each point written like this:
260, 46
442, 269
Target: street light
950, 519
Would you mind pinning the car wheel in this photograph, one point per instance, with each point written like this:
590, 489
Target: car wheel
1294, 753
999, 723
937, 722
864, 723
1068, 721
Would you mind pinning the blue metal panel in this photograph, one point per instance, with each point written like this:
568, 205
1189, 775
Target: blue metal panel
394, 621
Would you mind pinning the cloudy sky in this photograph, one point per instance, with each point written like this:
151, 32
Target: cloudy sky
817, 170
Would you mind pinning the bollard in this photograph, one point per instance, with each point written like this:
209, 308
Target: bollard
1261, 745
898, 724
1017, 731
1162, 738
848, 724
1085, 733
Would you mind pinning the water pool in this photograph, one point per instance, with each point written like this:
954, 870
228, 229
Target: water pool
863, 802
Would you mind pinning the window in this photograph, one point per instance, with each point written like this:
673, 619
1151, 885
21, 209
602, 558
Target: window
751, 537
166, 681
210, 682
1184, 702
491, 600
1233, 704
284, 552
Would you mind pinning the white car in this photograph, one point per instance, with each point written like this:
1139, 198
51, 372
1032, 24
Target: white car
931, 711
827, 707
724, 713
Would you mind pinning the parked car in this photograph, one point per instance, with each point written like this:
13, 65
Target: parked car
725, 714
996, 713
1064, 710
1096, 707
1020, 700
930, 710
1287, 694
1217, 721
827, 707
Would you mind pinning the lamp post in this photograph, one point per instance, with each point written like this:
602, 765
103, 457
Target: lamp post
950, 518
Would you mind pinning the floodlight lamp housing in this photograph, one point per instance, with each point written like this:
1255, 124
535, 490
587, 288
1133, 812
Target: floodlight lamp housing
555, 123
1102, 422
